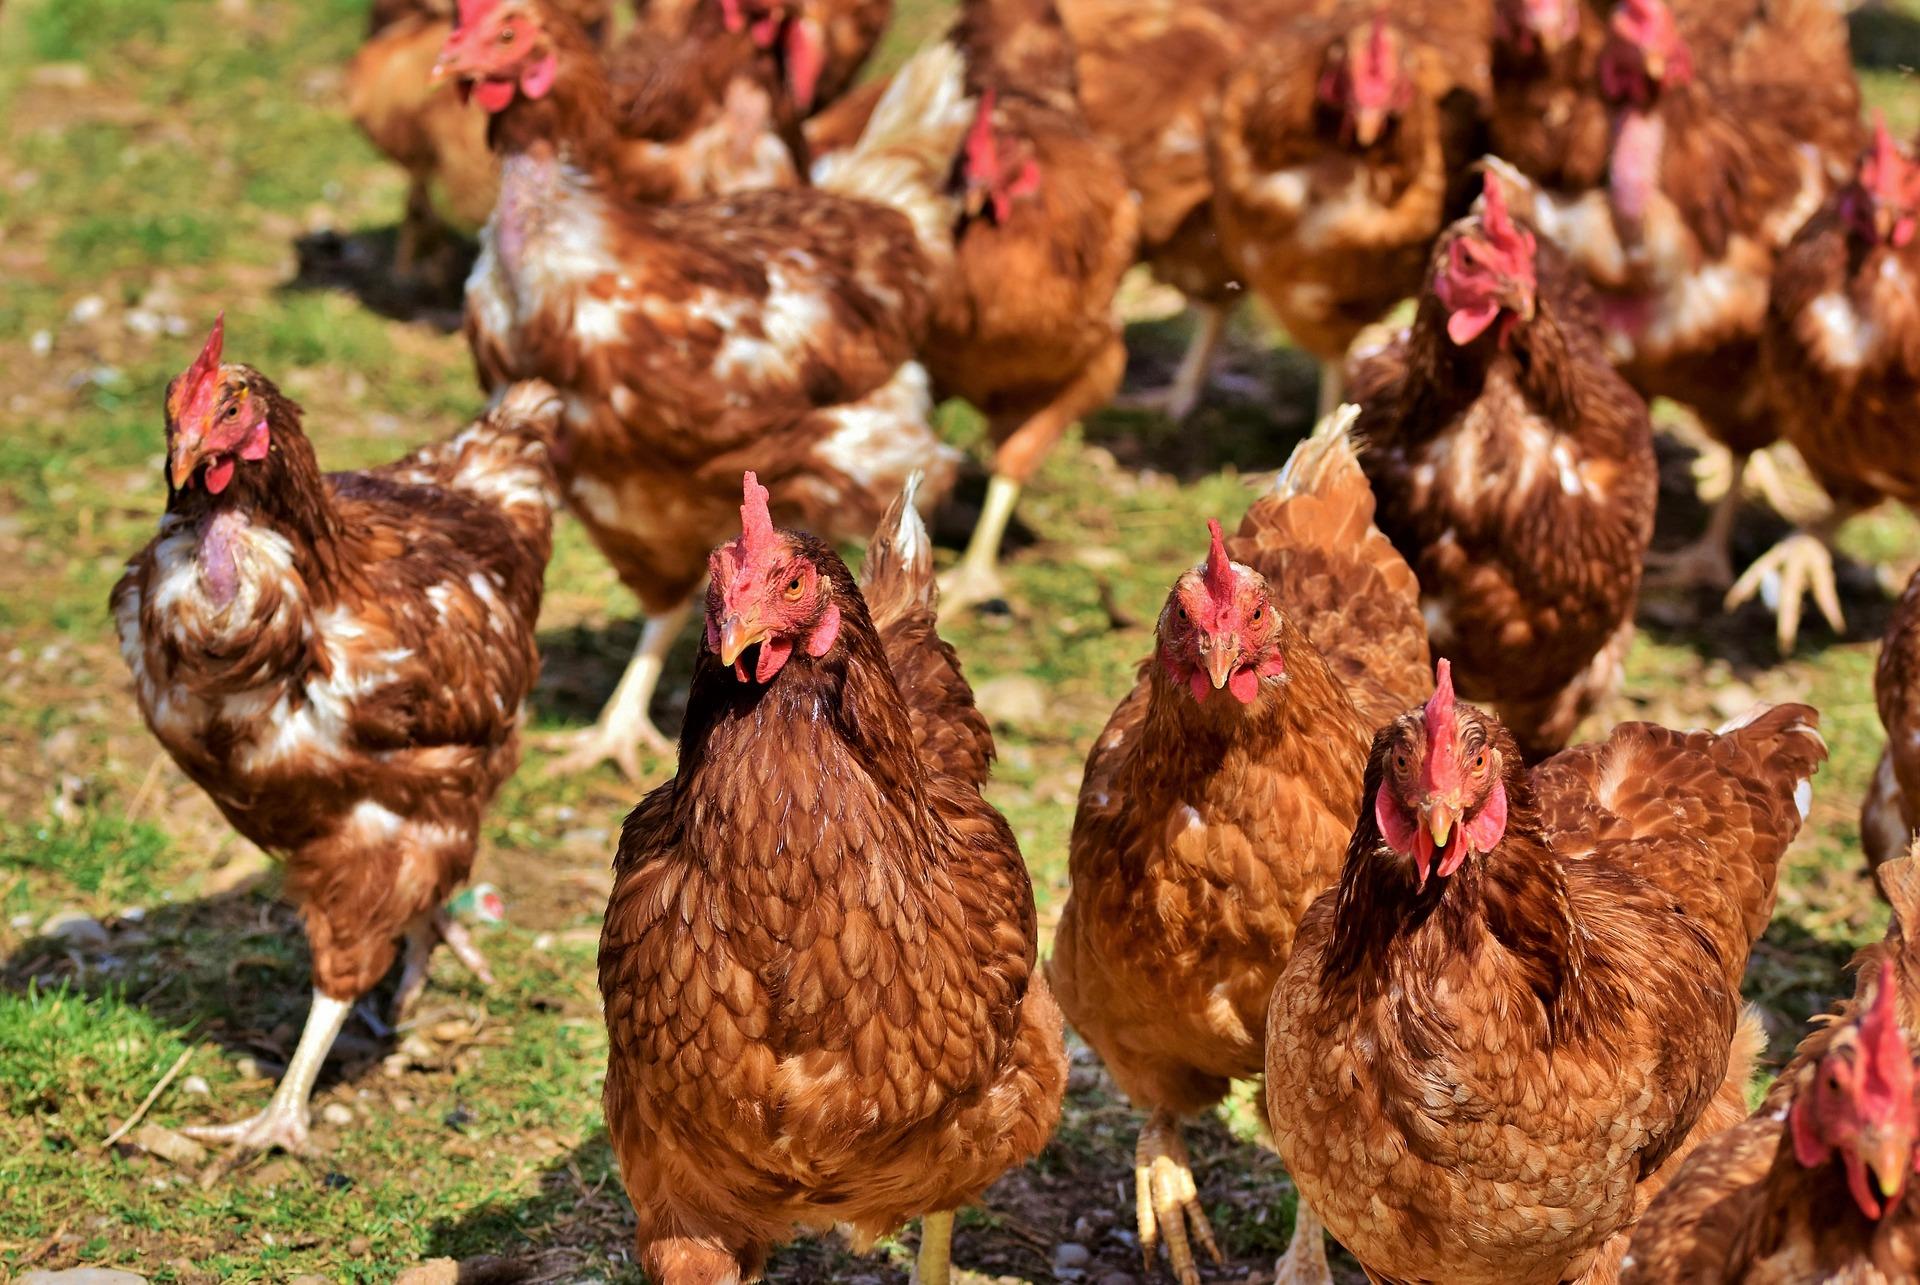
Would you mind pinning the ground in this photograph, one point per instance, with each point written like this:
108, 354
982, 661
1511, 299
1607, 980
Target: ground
169, 158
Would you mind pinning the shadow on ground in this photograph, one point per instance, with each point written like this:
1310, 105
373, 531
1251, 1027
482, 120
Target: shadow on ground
361, 264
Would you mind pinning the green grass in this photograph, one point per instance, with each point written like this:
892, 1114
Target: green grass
160, 159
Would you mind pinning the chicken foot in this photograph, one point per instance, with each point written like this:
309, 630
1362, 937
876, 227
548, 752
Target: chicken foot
625, 726
976, 578
1166, 1198
1181, 398
1798, 567
1708, 561
423, 934
933, 1265
1305, 1262
284, 1123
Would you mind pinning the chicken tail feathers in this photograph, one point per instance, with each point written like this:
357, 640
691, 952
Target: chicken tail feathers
504, 460
1320, 490
897, 574
1786, 741
905, 155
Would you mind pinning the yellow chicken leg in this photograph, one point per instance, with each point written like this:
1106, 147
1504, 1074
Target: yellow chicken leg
1305, 1262
1167, 1200
933, 1265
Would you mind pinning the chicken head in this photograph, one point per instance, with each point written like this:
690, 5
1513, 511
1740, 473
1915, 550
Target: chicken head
214, 420
497, 51
1881, 204
765, 591
1221, 629
1645, 53
1442, 797
1487, 273
990, 177
796, 39
1544, 25
1365, 80
1860, 1105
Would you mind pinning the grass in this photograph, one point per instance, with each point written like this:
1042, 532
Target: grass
162, 158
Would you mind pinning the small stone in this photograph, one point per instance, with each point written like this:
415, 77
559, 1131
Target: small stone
75, 928
83, 1276
174, 1148
1118, 1278
195, 1085
41, 344
435, 1271
1012, 700
336, 1113
359, 1247
1069, 1254
90, 308
310, 1279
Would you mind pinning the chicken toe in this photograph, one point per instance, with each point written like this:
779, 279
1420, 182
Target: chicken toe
1798, 567
625, 727
1168, 1200
284, 1123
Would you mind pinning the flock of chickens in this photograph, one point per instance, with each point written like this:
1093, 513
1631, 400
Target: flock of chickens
1333, 836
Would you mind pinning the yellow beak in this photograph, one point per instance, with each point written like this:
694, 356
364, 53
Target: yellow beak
1222, 661
1886, 1155
737, 633
1440, 819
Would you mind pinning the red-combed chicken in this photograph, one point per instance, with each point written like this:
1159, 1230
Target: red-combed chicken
1890, 817
1045, 205
1732, 120
1337, 143
1521, 1006
427, 128
1150, 73
1841, 354
1217, 802
1816, 1188
818, 958
1515, 471
773, 329
339, 661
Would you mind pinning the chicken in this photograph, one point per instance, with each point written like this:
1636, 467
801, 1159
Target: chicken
1841, 356
1547, 117
339, 661
1815, 1189
1890, 816
1337, 142
818, 957
1044, 204
427, 128
1515, 471
1150, 73
1731, 124
1520, 1008
772, 329
1209, 819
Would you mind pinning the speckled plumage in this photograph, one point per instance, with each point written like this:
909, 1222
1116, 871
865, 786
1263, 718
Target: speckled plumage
1890, 815
1484, 1080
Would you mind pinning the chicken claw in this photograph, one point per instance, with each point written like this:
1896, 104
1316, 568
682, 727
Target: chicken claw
1798, 566
1305, 1262
1166, 1199
284, 1123
624, 727
587, 749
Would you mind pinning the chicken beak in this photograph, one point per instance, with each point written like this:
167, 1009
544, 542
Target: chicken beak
1368, 124
1439, 818
182, 460
739, 632
1656, 65
1887, 1154
1222, 660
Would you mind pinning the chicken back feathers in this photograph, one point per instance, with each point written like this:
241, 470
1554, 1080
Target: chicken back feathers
1890, 817
340, 660
1206, 827
1484, 1053
818, 957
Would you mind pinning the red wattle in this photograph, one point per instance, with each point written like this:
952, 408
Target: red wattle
219, 473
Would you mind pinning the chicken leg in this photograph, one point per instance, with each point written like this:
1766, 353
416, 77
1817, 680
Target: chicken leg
284, 1123
976, 578
934, 1263
423, 934
1166, 1198
1305, 1262
1333, 387
624, 725
1708, 561
1181, 398
1798, 567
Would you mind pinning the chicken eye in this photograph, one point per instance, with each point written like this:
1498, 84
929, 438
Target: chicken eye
793, 587
1399, 760
1480, 761
230, 412
1255, 617
506, 35
1182, 611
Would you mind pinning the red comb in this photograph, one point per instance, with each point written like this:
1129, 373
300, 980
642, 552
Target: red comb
1219, 577
199, 376
981, 157
1886, 172
1494, 213
1502, 233
1888, 1063
471, 11
756, 524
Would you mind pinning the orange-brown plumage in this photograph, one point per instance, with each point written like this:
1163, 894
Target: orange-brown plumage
1211, 816
1521, 1003
1890, 816
1515, 471
818, 958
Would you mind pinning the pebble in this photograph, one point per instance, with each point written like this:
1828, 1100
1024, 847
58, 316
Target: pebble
1118, 1278
336, 1113
41, 344
435, 1271
76, 928
174, 1148
1070, 1255
90, 308
83, 1276
1012, 700
196, 1085
309, 1279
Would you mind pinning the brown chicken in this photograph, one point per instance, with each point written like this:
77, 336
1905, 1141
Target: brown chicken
1150, 73
1338, 141
1890, 817
1815, 1188
1547, 117
1046, 205
818, 958
427, 128
1732, 120
1521, 1006
773, 329
1841, 355
1216, 805
1515, 471
339, 661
